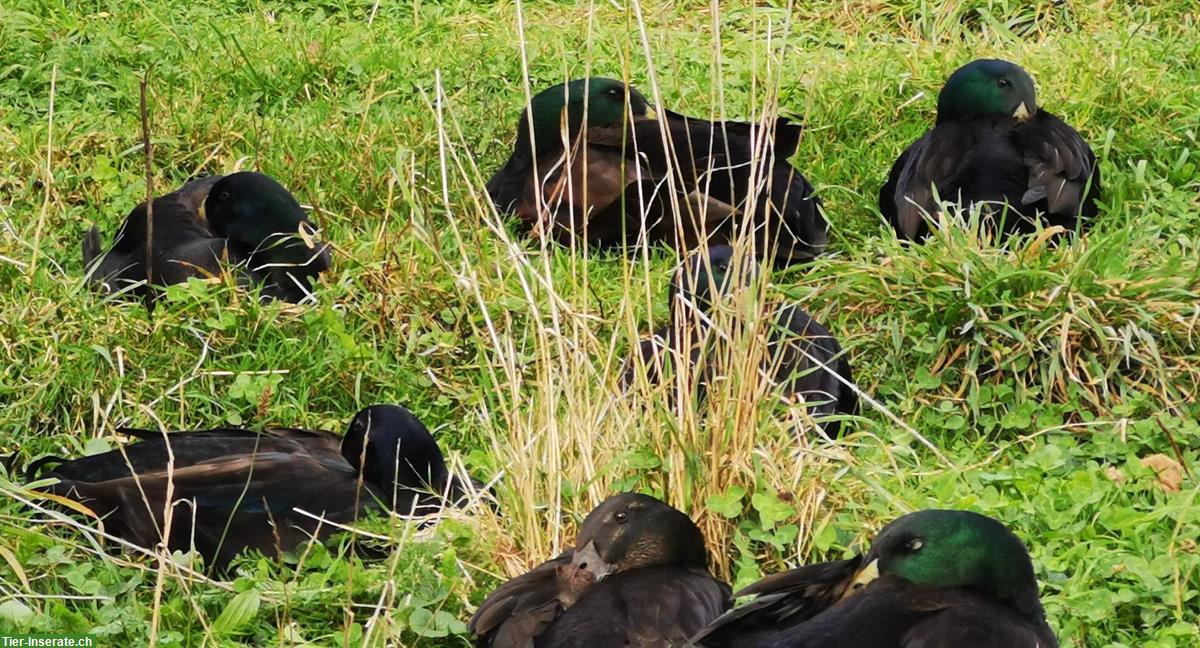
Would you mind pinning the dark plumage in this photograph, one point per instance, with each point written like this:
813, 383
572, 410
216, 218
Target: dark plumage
598, 200
245, 219
992, 144
618, 191
638, 576
741, 170
932, 579
238, 489
802, 357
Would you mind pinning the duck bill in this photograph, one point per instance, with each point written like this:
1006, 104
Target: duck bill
307, 234
1021, 113
323, 258
587, 560
863, 577
320, 254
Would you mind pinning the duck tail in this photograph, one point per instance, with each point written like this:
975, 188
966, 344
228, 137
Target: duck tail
34, 470
847, 397
91, 247
10, 463
461, 489
787, 137
139, 433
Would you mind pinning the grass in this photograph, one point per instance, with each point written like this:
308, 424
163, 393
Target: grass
1034, 372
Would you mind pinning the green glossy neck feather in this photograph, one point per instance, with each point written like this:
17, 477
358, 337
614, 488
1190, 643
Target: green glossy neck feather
959, 549
987, 87
604, 102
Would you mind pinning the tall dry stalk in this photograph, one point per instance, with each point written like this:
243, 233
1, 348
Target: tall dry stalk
564, 431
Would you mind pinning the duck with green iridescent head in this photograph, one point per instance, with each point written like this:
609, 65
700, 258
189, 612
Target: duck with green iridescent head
932, 579
994, 145
245, 223
591, 164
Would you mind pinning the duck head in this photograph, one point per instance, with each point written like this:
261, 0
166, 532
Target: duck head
987, 87
594, 102
962, 549
632, 531
394, 451
709, 276
262, 220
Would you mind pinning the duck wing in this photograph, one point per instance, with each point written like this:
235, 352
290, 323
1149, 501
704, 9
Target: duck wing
968, 161
1041, 165
781, 600
300, 435
784, 133
274, 432
907, 196
961, 618
507, 185
521, 609
893, 613
1064, 179
177, 218
229, 503
177, 221
739, 168
150, 453
655, 607
807, 359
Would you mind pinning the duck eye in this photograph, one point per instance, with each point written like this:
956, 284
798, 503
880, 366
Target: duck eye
621, 517
914, 545
1003, 83
225, 194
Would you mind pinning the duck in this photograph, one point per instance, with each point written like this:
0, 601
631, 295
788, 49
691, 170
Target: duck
609, 179
931, 578
994, 145
637, 576
245, 219
802, 359
235, 489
